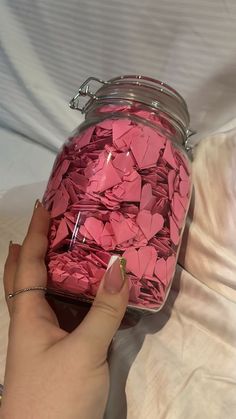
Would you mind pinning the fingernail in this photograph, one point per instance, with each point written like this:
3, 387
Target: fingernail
115, 275
37, 204
10, 243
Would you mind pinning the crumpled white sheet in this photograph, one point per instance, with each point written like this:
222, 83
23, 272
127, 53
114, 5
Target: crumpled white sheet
50, 47
211, 251
180, 362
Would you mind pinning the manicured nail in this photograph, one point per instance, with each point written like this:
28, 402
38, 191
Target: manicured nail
37, 204
115, 275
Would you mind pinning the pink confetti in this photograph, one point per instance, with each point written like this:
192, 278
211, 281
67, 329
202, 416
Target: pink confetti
168, 155
160, 270
147, 200
120, 127
60, 204
84, 138
94, 227
164, 269
130, 189
174, 232
118, 187
184, 188
123, 143
171, 182
138, 260
62, 233
149, 224
105, 178
183, 174
146, 148
123, 163
124, 228
177, 207
107, 239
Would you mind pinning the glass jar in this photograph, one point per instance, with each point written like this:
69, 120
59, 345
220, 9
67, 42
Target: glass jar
120, 185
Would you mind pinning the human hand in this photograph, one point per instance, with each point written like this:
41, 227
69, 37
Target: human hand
51, 374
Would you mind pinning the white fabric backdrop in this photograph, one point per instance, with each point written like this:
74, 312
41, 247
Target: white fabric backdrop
50, 46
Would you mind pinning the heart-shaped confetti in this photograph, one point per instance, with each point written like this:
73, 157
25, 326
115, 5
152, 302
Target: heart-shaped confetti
140, 262
118, 187
147, 200
149, 223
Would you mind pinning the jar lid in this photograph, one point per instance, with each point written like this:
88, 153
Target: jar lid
153, 93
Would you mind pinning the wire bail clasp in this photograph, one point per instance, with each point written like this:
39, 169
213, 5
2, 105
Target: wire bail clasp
188, 146
84, 91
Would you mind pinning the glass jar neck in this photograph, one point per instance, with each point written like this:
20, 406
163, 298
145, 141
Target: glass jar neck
145, 93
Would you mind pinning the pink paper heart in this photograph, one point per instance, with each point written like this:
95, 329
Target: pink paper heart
184, 188
170, 267
60, 204
84, 138
147, 199
79, 180
55, 182
62, 233
160, 270
84, 232
149, 224
71, 190
164, 269
123, 162
107, 238
177, 207
124, 229
123, 142
168, 155
94, 227
141, 261
171, 181
103, 179
174, 232
161, 207
146, 148
130, 188
106, 124
120, 127
183, 174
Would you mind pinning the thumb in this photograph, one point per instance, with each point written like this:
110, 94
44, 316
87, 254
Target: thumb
107, 311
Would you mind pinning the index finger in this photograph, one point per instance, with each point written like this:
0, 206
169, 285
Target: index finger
31, 270
36, 241
10, 271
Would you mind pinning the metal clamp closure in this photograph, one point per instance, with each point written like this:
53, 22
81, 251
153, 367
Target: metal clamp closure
84, 91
